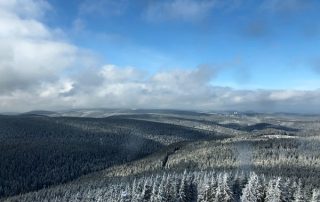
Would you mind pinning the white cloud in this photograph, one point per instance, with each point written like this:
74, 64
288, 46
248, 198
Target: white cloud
285, 95
182, 89
29, 50
52, 90
40, 71
112, 73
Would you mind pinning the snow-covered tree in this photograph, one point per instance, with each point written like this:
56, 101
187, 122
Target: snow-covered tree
136, 191
298, 195
182, 195
223, 192
203, 189
154, 191
125, 195
161, 196
273, 191
170, 188
287, 194
315, 195
144, 191
252, 191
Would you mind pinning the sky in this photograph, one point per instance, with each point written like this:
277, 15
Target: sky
246, 55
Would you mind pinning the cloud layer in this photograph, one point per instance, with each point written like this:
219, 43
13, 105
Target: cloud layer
41, 70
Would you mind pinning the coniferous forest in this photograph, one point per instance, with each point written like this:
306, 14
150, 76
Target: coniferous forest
159, 155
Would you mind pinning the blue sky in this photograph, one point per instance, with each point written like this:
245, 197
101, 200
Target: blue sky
272, 43
191, 54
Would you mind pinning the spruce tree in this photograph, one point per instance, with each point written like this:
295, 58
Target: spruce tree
273, 193
182, 195
298, 195
287, 194
251, 192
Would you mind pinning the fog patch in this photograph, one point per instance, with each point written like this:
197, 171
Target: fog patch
244, 155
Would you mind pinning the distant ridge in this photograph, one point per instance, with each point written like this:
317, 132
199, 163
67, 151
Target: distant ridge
106, 112
41, 113
101, 112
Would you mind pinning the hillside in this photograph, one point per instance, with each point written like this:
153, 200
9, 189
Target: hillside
74, 156
55, 149
288, 161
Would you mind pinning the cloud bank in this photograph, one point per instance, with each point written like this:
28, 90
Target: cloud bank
41, 70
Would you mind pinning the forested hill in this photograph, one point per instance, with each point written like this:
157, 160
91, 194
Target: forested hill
259, 169
72, 157
37, 151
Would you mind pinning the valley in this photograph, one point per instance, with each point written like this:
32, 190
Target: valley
158, 155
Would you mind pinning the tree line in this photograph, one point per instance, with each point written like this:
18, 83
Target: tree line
187, 186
